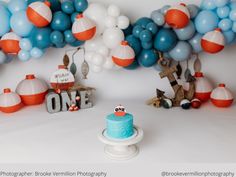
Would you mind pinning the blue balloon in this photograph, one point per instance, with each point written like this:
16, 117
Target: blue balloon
67, 7
232, 15
145, 36
232, 5
221, 3
55, 4
3, 57
158, 18
229, 36
77, 43
24, 55
225, 24
128, 31
133, 66
165, 40
9, 58
206, 21
147, 58
36, 52
223, 12
4, 20
181, 52
157, 67
143, 22
164, 9
137, 30
208, 4
234, 27
134, 43
57, 37
25, 44
20, 24
69, 37
195, 42
40, 37
152, 27
147, 45
17, 5
80, 5
73, 16
187, 32
193, 10
60, 21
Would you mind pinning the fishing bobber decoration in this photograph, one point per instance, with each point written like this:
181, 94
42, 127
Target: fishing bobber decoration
166, 103
185, 104
10, 43
123, 55
120, 111
39, 13
177, 16
10, 101
32, 90
222, 96
213, 41
203, 87
196, 103
62, 79
83, 28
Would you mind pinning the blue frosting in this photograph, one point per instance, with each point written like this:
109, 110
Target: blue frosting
120, 127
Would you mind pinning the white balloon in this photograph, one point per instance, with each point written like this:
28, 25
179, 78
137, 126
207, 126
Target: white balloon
98, 59
108, 63
97, 12
88, 56
93, 44
103, 50
112, 37
110, 22
123, 22
113, 10
96, 69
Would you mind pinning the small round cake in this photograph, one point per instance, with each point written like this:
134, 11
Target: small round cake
119, 124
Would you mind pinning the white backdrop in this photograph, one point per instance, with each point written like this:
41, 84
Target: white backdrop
123, 84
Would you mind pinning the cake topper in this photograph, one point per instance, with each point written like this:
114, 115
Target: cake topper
120, 111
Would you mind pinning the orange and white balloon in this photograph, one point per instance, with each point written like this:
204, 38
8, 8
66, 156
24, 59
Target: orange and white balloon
203, 87
123, 55
222, 96
213, 41
10, 43
177, 16
32, 90
39, 13
83, 28
10, 101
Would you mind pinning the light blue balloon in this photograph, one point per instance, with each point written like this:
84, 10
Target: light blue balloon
229, 36
3, 57
234, 27
206, 21
20, 24
232, 5
157, 67
225, 24
36, 52
164, 9
9, 59
181, 52
195, 42
158, 18
223, 12
25, 44
221, 3
24, 55
4, 20
17, 5
208, 4
187, 32
193, 10
232, 15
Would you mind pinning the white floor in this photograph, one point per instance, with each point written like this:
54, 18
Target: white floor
32, 135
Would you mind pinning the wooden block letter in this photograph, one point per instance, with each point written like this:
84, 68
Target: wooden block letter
53, 102
85, 97
67, 100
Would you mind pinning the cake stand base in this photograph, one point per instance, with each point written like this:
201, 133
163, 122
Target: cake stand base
121, 149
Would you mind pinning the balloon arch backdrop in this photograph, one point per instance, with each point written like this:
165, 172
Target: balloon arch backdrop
30, 27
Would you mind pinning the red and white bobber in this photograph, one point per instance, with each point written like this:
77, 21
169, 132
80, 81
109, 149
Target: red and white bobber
177, 16
10, 101
10, 43
196, 103
213, 41
222, 96
83, 28
203, 87
39, 13
32, 90
123, 55
62, 79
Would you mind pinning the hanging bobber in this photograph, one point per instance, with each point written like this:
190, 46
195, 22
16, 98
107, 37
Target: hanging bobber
62, 79
32, 90
213, 41
222, 96
196, 103
123, 55
39, 13
10, 101
83, 28
166, 103
185, 104
10, 43
177, 16
203, 87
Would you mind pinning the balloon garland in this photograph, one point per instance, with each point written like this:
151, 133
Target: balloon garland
29, 27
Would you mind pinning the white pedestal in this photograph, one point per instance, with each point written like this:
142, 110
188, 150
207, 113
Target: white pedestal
121, 149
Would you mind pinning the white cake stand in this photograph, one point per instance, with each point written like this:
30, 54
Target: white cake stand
125, 149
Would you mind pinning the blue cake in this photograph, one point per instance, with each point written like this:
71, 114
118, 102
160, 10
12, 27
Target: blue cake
119, 124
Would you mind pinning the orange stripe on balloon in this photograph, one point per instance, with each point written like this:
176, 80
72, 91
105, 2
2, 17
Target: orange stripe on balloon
176, 18
203, 96
222, 103
36, 18
11, 109
85, 35
62, 86
211, 47
10, 46
33, 99
122, 62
